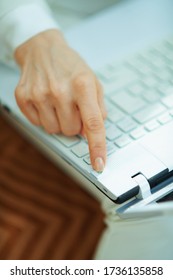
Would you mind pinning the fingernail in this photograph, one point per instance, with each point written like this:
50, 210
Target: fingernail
99, 164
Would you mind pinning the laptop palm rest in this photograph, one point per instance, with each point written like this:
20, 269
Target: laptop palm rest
122, 167
151, 156
159, 143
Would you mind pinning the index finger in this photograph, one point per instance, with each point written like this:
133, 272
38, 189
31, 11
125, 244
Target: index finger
86, 92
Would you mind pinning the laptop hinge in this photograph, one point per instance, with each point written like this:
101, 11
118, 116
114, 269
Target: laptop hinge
136, 206
144, 186
143, 194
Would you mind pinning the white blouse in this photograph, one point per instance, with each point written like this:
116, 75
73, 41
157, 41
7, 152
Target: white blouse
22, 19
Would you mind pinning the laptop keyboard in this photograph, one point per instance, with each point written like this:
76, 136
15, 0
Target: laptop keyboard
138, 97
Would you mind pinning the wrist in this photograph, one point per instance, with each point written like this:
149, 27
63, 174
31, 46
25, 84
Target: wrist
44, 40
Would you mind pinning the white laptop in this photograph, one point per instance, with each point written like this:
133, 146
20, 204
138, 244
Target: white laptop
130, 47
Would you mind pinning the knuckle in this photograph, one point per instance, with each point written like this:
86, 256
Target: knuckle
55, 90
19, 91
39, 95
94, 124
20, 95
58, 91
81, 82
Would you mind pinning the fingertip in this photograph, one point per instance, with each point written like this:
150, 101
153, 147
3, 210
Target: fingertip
98, 158
99, 164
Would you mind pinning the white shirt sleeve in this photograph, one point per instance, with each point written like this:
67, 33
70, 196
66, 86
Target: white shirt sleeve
21, 22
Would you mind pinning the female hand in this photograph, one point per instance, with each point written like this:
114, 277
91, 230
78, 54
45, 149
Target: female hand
58, 91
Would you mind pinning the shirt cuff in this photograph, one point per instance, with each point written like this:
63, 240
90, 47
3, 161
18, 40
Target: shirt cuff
21, 24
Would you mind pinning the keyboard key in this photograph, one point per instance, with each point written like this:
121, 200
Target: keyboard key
165, 118
136, 89
163, 49
158, 62
169, 56
127, 124
149, 113
150, 126
121, 80
109, 72
107, 123
140, 65
111, 148
87, 159
112, 132
166, 88
67, 141
150, 81
128, 103
168, 101
171, 112
151, 95
80, 149
123, 141
109, 106
140, 90
115, 115
170, 66
164, 74
138, 133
